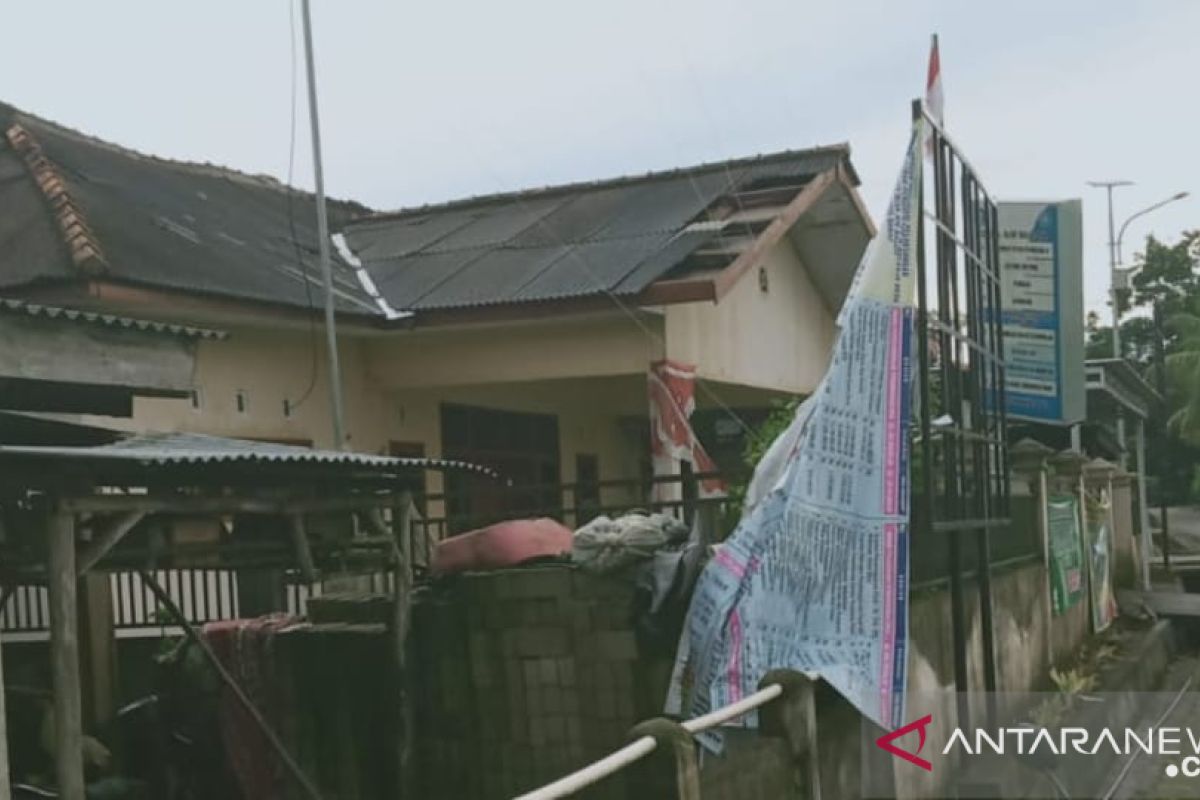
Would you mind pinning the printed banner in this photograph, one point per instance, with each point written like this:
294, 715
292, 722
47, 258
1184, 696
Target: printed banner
815, 578
1099, 530
1066, 552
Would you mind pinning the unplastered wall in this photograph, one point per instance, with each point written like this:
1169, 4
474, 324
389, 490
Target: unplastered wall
779, 339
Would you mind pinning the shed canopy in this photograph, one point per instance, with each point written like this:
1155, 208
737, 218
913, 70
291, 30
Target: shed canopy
1113, 384
172, 456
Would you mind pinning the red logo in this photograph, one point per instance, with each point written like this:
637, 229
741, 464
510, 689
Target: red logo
885, 742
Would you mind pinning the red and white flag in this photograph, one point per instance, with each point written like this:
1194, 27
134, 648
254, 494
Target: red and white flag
933, 84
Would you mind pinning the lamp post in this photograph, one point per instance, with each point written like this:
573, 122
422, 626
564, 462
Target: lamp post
1121, 281
1108, 186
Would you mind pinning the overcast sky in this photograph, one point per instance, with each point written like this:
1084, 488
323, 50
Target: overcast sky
428, 101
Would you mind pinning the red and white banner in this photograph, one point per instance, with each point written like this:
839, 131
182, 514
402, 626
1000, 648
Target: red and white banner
672, 387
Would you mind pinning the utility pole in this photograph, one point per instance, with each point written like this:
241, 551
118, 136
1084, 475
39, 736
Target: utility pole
1115, 300
335, 372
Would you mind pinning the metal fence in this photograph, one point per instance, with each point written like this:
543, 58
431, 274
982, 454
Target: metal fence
961, 478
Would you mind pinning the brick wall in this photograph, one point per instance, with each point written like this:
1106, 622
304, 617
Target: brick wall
522, 676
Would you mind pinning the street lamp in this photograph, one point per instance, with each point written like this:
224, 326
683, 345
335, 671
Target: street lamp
1143, 212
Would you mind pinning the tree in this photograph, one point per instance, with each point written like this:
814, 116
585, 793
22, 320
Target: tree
1167, 274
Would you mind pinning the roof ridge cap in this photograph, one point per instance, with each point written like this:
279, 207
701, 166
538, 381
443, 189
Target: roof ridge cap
82, 244
527, 193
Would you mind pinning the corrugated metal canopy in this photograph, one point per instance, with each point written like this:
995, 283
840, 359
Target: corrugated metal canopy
191, 449
614, 236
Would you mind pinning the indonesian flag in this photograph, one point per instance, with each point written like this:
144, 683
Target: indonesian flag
933, 84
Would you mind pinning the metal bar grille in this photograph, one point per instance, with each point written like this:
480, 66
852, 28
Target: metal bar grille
963, 481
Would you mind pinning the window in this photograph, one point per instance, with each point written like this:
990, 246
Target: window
242, 401
196, 397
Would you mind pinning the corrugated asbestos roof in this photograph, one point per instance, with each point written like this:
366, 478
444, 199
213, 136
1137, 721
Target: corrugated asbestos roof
10, 306
614, 236
76, 208
191, 449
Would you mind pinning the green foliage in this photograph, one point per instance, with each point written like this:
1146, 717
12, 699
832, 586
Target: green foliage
1167, 278
1167, 273
758, 441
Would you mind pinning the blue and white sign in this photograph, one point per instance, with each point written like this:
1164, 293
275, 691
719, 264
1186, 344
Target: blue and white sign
1041, 297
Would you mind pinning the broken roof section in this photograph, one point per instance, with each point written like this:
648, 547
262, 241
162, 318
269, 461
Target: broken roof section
613, 237
78, 210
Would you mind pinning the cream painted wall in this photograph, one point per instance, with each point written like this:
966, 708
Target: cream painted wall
270, 367
582, 346
589, 370
780, 339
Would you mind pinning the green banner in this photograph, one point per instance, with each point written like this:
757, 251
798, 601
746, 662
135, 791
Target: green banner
1066, 551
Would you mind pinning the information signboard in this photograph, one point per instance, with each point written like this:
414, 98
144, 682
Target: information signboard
1041, 298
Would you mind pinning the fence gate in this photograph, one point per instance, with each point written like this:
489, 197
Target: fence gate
961, 480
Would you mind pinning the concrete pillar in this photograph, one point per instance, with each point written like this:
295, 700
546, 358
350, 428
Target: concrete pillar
1143, 505
793, 718
671, 771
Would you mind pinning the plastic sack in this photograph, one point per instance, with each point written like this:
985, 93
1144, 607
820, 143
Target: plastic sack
607, 545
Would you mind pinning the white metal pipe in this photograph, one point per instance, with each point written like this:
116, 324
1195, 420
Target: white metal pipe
733, 710
596, 771
639, 748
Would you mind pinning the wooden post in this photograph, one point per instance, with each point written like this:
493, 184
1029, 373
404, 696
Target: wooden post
5, 790
64, 656
402, 612
97, 648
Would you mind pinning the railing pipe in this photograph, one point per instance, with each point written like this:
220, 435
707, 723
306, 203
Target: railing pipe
642, 747
594, 772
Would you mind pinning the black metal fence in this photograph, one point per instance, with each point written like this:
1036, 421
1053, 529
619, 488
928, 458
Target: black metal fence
961, 484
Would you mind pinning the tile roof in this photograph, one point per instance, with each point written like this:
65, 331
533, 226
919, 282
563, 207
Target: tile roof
77, 208
616, 236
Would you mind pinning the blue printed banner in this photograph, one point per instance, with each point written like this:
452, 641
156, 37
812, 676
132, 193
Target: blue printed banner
815, 578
